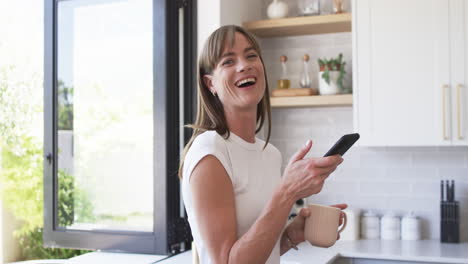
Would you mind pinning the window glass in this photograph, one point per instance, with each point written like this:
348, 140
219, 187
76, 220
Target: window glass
105, 115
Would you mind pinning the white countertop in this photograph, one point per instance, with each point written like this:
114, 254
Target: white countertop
422, 251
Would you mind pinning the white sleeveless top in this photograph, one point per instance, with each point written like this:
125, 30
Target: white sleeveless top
255, 172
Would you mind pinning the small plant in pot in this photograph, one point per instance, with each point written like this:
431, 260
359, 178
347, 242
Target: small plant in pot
331, 75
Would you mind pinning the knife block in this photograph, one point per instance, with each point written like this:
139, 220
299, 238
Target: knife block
449, 222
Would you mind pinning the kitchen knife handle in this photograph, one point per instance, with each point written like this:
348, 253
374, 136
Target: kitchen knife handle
444, 112
452, 194
460, 136
441, 190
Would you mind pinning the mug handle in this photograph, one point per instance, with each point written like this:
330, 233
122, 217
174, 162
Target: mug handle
344, 223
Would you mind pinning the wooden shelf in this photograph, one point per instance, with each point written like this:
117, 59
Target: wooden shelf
313, 100
306, 25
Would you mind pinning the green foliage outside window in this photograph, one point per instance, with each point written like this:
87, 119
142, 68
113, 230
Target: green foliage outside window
21, 163
65, 106
22, 179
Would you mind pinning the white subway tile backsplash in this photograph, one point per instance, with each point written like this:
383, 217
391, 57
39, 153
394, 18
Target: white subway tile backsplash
461, 189
405, 204
365, 174
413, 174
438, 159
376, 203
430, 223
342, 39
337, 187
386, 159
426, 189
458, 174
384, 188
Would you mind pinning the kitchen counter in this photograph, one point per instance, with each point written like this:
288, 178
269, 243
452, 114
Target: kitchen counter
426, 251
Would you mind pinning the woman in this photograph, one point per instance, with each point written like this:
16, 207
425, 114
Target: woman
237, 201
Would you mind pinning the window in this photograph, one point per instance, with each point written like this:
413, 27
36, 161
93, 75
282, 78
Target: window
113, 118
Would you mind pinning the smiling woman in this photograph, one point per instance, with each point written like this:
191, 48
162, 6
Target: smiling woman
237, 201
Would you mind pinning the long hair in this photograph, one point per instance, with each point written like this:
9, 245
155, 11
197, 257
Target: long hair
210, 111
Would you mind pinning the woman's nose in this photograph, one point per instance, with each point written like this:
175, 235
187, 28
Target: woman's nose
244, 65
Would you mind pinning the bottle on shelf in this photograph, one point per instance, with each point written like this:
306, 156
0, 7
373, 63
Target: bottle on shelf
284, 82
305, 78
309, 7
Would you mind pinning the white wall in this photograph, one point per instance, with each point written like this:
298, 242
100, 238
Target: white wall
239, 11
208, 19
213, 14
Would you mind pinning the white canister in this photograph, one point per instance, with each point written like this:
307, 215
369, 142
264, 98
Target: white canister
390, 227
351, 232
410, 227
370, 225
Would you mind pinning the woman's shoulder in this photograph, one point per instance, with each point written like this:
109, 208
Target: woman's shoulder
207, 143
208, 139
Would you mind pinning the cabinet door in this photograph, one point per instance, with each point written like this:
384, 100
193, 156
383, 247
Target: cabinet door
459, 70
401, 53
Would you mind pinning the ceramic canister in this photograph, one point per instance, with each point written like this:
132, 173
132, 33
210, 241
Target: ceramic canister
352, 230
390, 227
410, 227
370, 225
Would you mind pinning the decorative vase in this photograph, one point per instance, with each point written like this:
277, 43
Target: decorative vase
277, 9
332, 88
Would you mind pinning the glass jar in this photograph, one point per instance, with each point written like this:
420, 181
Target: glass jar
326, 7
308, 7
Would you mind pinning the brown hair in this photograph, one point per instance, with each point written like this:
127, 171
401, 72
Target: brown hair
210, 112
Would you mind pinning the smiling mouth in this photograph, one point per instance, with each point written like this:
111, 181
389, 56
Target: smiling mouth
246, 82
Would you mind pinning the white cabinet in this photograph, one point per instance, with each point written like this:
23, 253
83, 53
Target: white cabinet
409, 59
459, 70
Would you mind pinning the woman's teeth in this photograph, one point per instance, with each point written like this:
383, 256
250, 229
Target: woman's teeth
246, 82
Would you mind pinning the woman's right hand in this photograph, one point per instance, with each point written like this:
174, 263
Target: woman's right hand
305, 177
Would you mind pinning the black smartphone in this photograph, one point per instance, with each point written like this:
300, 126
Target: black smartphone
343, 144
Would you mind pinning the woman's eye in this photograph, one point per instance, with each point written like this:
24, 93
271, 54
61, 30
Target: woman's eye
252, 56
227, 62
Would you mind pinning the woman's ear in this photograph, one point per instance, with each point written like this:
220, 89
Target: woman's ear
208, 80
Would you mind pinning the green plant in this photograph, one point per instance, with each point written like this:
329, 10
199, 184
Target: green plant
65, 106
31, 247
22, 178
333, 64
21, 165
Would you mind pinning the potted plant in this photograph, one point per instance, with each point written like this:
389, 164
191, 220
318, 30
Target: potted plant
331, 75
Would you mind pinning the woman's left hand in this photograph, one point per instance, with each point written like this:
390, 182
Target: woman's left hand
295, 229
